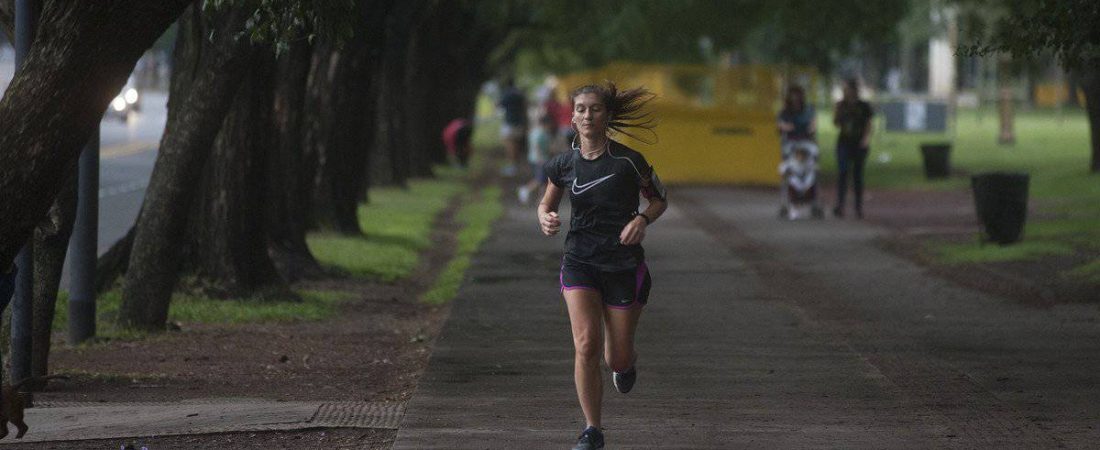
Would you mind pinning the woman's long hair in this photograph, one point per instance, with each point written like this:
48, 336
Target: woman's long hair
788, 102
626, 108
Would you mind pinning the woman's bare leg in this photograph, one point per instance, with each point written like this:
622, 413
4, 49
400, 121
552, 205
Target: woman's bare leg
586, 318
619, 344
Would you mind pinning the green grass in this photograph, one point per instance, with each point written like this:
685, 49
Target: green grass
1088, 272
974, 253
315, 305
1052, 147
131, 377
476, 217
396, 226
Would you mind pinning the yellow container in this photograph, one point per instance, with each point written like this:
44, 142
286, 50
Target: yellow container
711, 147
1052, 95
714, 125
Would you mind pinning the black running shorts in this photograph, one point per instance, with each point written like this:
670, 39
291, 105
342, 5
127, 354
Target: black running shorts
620, 290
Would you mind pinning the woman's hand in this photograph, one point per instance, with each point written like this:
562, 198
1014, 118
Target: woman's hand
633, 232
549, 223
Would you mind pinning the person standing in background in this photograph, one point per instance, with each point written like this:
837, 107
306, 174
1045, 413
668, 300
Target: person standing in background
512, 132
562, 112
797, 121
539, 141
456, 138
852, 117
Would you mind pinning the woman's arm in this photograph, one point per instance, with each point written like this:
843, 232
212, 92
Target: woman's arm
655, 209
784, 126
549, 222
634, 231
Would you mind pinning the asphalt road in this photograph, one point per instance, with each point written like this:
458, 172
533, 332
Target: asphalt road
127, 155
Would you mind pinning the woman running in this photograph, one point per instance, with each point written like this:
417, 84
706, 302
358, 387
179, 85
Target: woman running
604, 278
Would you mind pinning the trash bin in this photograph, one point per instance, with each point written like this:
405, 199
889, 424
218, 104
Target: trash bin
1000, 200
937, 157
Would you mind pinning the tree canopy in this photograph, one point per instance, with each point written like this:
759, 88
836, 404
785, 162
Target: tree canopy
1069, 29
572, 34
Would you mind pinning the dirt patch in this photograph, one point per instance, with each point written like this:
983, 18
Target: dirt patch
374, 349
917, 217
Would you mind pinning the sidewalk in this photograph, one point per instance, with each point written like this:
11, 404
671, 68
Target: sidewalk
81, 421
760, 334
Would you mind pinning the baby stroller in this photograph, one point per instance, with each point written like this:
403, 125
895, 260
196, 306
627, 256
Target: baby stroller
798, 188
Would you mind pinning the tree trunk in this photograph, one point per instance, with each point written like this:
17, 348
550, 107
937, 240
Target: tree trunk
1007, 113
112, 264
424, 88
205, 77
7, 20
287, 206
51, 242
430, 103
390, 156
466, 59
1090, 84
1072, 84
334, 140
226, 244
56, 100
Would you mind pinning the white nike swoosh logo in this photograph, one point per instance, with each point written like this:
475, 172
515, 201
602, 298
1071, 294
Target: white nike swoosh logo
588, 185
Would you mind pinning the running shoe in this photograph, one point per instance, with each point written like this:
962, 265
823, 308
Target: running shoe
624, 381
591, 439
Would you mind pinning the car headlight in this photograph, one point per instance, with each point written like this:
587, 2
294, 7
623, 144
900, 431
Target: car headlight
118, 104
131, 96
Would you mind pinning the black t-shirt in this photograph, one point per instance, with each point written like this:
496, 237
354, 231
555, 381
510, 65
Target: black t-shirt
852, 119
604, 196
515, 107
801, 121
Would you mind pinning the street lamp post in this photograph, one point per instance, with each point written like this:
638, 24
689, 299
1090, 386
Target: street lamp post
83, 246
26, 18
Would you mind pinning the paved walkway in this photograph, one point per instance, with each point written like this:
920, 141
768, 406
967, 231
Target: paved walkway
78, 421
760, 334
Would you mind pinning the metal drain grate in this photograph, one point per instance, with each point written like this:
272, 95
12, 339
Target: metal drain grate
61, 420
359, 415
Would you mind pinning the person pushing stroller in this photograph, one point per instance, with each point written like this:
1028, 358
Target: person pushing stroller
797, 124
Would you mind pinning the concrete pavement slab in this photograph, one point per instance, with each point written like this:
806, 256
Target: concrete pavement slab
724, 362
760, 334
78, 421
